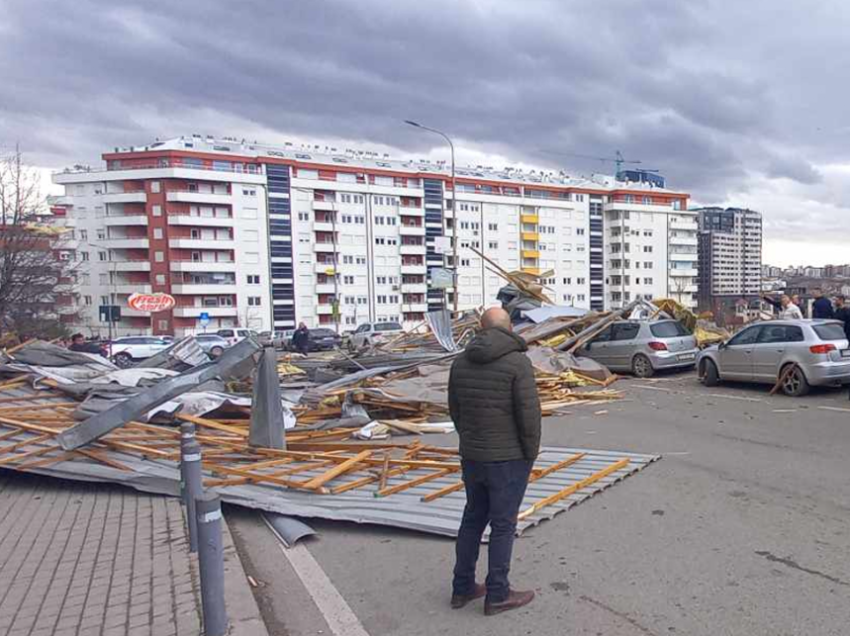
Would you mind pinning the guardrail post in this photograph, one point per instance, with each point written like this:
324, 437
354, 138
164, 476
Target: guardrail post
192, 485
211, 562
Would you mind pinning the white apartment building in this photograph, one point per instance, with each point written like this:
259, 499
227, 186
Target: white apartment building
730, 246
267, 237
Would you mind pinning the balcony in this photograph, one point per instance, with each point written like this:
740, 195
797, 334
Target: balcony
321, 226
126, 243
131, 288
682, 240
329, 206
130, 266
203, 266
128, 219
411, 211
414, 269
199, 221
324, 247
414, 307
414, 288
201, 244
683, 273
535, 254
325, 288
126, 197
324, 310
530, 236
204, 289
690, 226
411, 230
676, 256
412, 249
184, 196
533, 219
213, 312
328, 269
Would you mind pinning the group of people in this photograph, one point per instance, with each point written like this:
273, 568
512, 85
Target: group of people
791, 308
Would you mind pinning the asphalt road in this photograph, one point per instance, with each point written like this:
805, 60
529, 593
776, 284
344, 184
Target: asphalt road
741, 529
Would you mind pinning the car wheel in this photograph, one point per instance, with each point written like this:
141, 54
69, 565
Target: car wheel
642, 367
708, 373
123, 360
215, 352
794, 383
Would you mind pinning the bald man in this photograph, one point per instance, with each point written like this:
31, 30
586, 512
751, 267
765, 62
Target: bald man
496, 410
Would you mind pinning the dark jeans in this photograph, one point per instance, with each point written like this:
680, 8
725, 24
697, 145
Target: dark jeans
494, 492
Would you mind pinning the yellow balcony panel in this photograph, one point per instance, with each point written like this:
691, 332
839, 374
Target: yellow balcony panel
530, 254
530, 218
530, 236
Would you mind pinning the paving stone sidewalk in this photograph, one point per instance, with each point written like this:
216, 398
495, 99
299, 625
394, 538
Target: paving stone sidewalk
85, 559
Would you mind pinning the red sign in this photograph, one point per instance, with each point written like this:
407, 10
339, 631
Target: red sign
153, 303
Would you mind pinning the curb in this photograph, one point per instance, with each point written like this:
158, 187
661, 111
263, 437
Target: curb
242, 610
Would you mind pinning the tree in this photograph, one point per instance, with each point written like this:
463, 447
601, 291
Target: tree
37, 269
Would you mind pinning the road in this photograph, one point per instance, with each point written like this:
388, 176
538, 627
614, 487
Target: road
741, 529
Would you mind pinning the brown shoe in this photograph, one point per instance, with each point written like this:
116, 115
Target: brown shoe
459, 600
515, 600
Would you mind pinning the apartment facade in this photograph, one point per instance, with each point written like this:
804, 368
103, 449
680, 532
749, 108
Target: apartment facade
730, 249
266, 237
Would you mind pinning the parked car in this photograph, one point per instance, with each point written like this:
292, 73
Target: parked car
324, 339
762, 353
126, 351
373, 333
213, 344
236, 335
279, 339
643, 347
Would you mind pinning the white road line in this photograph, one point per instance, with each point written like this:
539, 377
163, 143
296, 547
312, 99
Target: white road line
734, 397
336, 612
653, 388
834, 408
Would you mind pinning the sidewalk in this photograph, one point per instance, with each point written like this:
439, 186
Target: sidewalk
80, 559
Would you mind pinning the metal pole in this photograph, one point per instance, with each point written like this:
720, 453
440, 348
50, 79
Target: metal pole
192, 485
211, 564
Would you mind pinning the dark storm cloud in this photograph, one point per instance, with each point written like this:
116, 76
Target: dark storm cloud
712, 93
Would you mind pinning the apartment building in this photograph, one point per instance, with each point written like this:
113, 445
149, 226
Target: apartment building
730, 247
268, 236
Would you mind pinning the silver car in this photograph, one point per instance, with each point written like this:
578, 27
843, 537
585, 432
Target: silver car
643, 347
212, 344
763, 352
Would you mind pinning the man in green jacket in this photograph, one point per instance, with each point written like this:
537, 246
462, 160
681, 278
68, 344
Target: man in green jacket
496, 410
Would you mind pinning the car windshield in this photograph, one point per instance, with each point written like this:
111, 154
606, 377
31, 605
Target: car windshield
388, 326
830, 332
322, 333
669, 329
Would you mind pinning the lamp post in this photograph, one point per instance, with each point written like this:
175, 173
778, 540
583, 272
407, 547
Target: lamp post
454, 204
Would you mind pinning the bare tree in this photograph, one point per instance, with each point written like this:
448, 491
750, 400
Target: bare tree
37, 274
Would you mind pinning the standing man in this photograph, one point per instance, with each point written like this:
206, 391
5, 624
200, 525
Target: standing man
301, 339
821, 308
795, 300
790, 311
842, 313
496, 410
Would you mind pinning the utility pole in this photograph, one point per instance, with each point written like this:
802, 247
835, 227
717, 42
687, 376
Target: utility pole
454, 206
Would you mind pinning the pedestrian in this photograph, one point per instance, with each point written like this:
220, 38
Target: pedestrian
301, 339
776, 304
821, 308
795, 299
790, 311
842, 313
496, 410
78, 343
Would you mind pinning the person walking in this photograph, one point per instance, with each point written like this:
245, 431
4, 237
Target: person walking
822, 307
494, 404
301, 339
790, 311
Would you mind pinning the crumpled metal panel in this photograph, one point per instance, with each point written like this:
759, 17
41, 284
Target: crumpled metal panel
440, 323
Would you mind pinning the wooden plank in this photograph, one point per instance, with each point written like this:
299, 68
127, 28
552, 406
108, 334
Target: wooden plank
103, 459
415, 482
569, 490
33, 453
442, 492
340, 469
364, 481
261, 477
238, 481
555, 467
200, 421
61, 457
382, 482
27, 427
11, 448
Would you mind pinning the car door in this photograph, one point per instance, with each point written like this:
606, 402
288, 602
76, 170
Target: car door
597, 348
736, 357
771, 348
621, 347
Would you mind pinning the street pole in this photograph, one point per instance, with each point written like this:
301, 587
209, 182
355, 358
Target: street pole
454, 206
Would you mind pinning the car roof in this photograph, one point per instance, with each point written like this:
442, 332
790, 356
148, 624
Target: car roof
803, 321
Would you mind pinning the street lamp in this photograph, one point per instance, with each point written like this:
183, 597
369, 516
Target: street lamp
454, 202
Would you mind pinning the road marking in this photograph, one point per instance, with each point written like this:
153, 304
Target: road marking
834, 408
336, 612
653, 388
734, 397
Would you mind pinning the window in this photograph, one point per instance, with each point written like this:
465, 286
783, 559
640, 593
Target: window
579, 197
493, 227
87, 300
157, 232
253, 279
677, 204
493, 245
160, 279
84, 256
647, 281
348, 280
668, 329
249, 192
101, 234
625, 331
647, 265
156, 210
104, 300
464, 262
163, 324
303, 216
254, 301
746, 337
159, 257
580, 231
154, 186
827, 332
102, 257
647, 249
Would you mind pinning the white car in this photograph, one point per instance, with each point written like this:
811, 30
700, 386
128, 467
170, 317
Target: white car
237, 335
373, 333
126, 351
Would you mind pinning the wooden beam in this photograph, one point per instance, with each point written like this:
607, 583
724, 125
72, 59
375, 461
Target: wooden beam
415, 482
555, 467
340, 469
442, 492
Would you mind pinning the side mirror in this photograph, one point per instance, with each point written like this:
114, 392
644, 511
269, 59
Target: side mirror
722, 345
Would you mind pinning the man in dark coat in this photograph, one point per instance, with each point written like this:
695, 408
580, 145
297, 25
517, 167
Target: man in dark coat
842, 313
821, 308
496, 410
301, 339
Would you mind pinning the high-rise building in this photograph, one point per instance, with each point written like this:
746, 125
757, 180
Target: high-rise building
730, 245
266, 236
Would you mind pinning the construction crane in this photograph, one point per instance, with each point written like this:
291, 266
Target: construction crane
618, 160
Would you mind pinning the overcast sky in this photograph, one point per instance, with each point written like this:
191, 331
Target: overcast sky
738, 103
